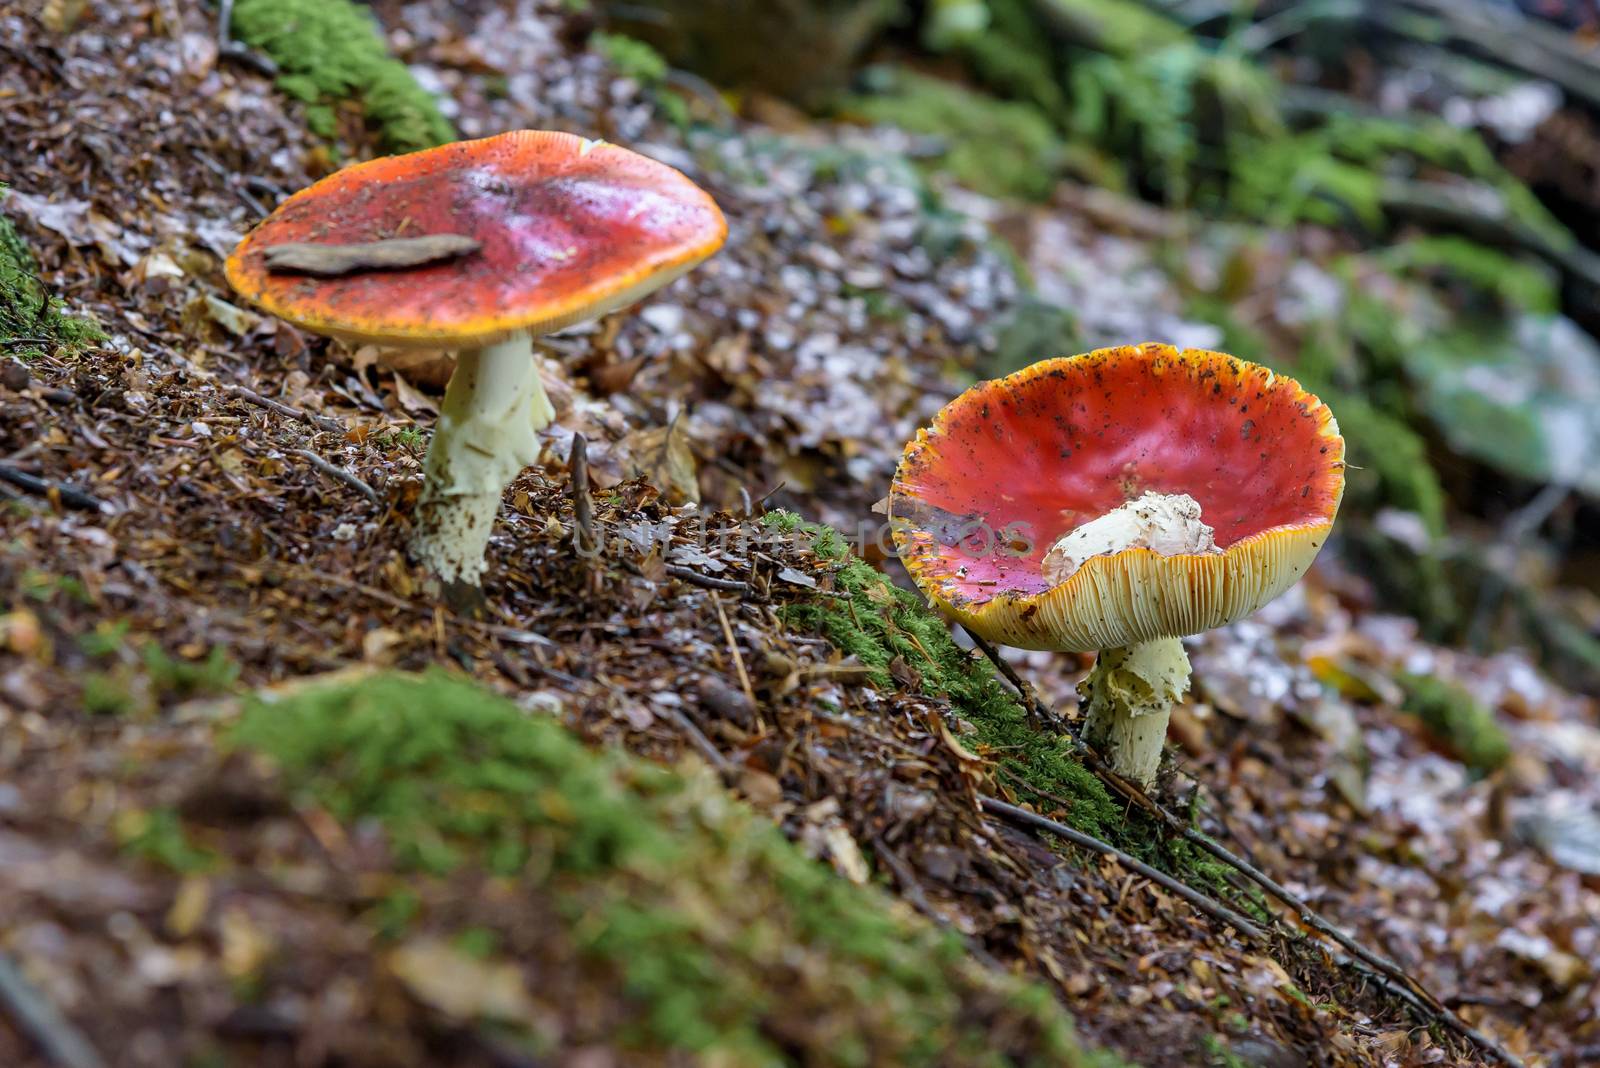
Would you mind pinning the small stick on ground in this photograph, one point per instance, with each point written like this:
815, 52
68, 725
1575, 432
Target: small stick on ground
320, 422
70, 496
1427, 1004
914, 893
694, 578
333, 471
582, 507
733, 647
60, 1042
1036, 822
698, 739
1037, 710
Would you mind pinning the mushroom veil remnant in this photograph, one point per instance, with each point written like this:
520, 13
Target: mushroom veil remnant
1115, 502
477, 246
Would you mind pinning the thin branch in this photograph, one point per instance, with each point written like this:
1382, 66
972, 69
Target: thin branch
1037, 710
334, 471
1221, 913
699, 740
582, 507
733, 649
61, 1042
694, 578
913, 892
320, 422
70, 496
1396, 976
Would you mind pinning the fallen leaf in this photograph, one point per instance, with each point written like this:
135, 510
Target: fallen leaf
459, 985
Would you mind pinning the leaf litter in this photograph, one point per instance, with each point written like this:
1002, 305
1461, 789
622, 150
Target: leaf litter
172, 902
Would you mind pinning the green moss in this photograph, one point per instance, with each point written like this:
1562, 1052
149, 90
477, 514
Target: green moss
32, 322
631, 57
713, 923
1159, 110
1030, 331
1512, 281
331, 50
1336, 172
997, 147
158, 835
877, 623
1009, 55
1459, 721
1117, 27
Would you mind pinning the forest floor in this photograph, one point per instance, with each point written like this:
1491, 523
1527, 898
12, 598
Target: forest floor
186, 885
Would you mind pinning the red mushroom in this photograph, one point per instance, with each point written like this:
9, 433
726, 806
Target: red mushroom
549, 230
1115, 502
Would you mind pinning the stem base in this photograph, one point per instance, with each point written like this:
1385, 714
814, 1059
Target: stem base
1130, 693
487, 433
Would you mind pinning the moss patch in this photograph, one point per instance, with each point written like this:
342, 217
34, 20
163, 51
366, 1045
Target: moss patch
33, 322
331, 50
730, 942
1459, 721
993, 146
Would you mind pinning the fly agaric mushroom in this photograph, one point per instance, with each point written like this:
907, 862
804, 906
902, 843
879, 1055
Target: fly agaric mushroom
477, 246
1115, 502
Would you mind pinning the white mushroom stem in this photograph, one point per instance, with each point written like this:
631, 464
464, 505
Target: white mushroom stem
1131, 691
487, 433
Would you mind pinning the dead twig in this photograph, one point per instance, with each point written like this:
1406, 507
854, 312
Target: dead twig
1037, 710
1420, 999
61, 1042
698, 739
914, 893
320, 422
578, 489
338, 473
695, 578
70, 496
733, 648
514, 635
1036, 822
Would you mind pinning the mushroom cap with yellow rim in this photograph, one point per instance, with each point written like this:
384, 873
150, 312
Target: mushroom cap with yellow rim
1010, 466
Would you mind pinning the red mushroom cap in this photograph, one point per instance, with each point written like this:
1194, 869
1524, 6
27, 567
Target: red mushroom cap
570, 229
1010, 466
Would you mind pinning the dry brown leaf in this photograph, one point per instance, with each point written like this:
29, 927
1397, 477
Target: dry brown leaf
459, 985
662, 455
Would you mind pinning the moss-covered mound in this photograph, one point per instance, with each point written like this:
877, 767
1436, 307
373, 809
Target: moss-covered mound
994, 146
893, 632
329, 51
725, 939
32, 321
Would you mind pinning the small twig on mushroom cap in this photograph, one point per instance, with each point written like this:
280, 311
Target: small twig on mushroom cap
305, 257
